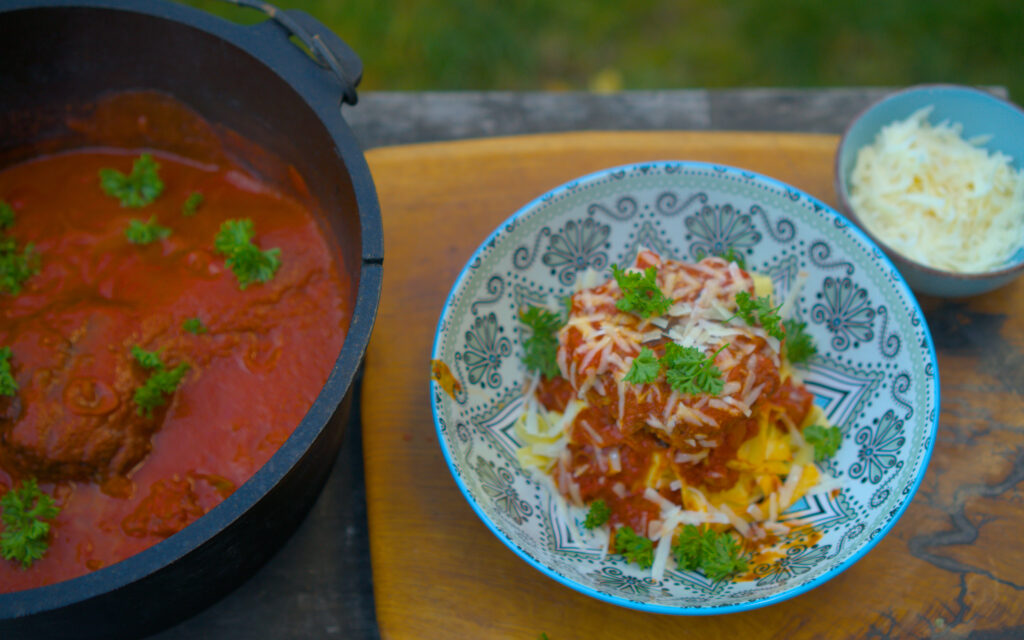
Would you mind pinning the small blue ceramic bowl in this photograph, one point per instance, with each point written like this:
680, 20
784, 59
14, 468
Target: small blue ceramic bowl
875, 374
980, 113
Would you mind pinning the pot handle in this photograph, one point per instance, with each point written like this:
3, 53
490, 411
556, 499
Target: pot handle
328, 49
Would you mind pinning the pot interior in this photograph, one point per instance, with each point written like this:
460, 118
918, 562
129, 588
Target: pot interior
58, 63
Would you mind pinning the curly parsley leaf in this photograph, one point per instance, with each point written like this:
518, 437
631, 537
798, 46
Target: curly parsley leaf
717, 554
540, 350
160, 384
249, 263
194, 326
137, 189
598, 514
645, 368
8, 385
826, 440
731, 255
157, 388
640, 292
635, 547
722, 557
192, 204
16, 266
26, 510
688, 370
147, 359
6, 215
759, 311
799, 344
139, 232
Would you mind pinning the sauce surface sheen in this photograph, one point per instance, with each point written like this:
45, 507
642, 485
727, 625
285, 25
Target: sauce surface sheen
255, 371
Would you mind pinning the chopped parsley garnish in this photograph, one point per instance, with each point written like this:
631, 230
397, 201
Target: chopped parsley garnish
160, 384
759, 311
540, 350
635, 547
717, 554
688, 370
645, 368
26, 510
16, 266
730, 255
192, 204
139, 232
598, 514
137, 189
6, 215
735, 256
799, 344
8, 385
147, 359
640, 292
194, 326
249, 263
826, 440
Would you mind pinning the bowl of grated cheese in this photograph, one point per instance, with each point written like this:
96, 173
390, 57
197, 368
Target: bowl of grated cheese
934, 174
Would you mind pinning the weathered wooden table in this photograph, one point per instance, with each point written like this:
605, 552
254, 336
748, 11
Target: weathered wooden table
963, 527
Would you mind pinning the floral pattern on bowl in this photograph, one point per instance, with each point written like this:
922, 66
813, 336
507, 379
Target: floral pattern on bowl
875, 375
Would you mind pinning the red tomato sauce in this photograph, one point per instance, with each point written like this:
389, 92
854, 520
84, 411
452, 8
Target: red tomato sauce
254, 373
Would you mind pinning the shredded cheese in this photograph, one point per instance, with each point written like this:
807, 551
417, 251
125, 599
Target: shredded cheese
937, 198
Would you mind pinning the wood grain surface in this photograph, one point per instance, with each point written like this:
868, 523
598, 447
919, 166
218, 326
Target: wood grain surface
951, 568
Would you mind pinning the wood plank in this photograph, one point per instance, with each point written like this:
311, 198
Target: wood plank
438, 571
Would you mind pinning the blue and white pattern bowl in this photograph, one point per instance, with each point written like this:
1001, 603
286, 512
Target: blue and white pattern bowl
875, 374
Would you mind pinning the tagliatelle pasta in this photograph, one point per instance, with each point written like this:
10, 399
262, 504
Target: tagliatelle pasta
690, 416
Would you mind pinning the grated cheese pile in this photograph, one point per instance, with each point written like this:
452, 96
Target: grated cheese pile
937, 198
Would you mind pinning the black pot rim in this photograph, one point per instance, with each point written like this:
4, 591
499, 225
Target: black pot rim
320, 91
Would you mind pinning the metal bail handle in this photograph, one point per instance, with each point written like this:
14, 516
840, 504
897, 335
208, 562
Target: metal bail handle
328, 49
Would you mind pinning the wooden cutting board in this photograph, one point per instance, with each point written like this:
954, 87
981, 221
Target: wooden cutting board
439, 573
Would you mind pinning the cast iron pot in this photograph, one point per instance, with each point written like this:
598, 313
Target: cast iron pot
55, 55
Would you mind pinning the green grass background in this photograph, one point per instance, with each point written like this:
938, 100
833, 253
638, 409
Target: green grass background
602, 45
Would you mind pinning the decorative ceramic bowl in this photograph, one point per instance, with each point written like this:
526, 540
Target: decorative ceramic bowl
875, 374
980, 113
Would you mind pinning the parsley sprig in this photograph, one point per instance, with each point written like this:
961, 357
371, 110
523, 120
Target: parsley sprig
194, 325
640, 292
635, 547
729, 255
26, 510
826, 440
192, 204
759, 311
717, 554
540, 350
6, 215
249, 263
139, 232
160, 384
645, 368
8, 385
598, 514
688, 370
137, 189
16, 266
799, 344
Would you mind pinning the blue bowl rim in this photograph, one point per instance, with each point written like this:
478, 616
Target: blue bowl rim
822, 209
839, 182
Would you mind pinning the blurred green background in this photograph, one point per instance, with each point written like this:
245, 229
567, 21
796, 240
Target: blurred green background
600, 45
